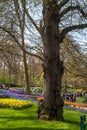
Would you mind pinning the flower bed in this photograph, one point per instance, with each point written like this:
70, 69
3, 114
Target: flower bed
19, 95
39, 98
14, 103
75, 104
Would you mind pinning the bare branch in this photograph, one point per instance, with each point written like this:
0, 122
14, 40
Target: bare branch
35, 55
79, 75
9, 32
33, 22
16, 5
71, 8
22, 48
37, 48
10, 52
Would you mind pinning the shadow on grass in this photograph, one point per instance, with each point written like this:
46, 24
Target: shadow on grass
20, 118
17, 118
72, 122
30, 128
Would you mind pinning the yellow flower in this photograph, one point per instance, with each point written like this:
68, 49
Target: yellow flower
15, 103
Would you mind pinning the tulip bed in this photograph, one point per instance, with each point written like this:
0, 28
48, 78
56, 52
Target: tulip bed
14, 103
75, 104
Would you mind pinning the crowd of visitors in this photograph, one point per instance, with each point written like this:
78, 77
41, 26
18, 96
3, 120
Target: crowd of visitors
72, 96
69, 97
3, 86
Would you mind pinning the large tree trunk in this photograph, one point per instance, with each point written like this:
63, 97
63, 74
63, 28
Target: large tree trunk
52, 105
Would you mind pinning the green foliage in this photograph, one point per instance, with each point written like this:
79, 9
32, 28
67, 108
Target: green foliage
4, 79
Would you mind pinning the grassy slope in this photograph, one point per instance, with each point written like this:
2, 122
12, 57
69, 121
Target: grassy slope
26, 119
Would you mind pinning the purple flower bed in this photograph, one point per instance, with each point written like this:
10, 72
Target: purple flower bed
19, 94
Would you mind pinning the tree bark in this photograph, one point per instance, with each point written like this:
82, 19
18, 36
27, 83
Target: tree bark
52, 104
26, 76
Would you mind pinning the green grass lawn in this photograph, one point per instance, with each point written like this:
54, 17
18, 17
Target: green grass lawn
26, 119
81, 99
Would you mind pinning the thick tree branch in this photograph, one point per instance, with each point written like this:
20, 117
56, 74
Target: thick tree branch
71, 28
62, 3
71, 8
81, 75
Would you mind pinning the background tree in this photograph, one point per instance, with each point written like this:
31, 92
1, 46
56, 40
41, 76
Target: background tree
14, 17
74, 60
10, 60
35, 72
